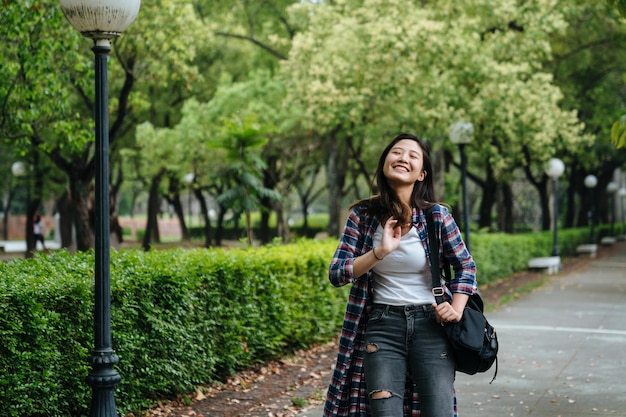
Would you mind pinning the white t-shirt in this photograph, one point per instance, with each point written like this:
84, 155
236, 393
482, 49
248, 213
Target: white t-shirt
403, 277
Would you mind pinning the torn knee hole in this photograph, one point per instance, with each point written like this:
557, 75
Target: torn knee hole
380, 395
372, 348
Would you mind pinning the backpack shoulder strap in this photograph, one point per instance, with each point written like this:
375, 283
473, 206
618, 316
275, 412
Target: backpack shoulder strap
435, 266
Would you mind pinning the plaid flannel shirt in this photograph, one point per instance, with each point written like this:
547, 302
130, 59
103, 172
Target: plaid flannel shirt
347, 393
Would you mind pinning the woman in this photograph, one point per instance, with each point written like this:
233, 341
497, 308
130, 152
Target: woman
394, 358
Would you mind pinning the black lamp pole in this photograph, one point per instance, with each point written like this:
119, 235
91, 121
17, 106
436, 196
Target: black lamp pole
622, 193
103, 378
462, 133
466, 216
102, 21
592, 218
555, 242
612, 202
590, 182
612, 188
554, 169
189, 179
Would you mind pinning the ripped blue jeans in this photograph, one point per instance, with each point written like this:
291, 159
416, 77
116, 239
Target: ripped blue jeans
407, 339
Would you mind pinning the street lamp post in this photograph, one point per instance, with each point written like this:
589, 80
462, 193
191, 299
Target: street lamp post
612, 188
554, 170
590, 182
622, 193
102, 20
18, 169
462, 133
189, 180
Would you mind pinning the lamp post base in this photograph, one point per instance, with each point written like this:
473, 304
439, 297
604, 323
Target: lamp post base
103, 379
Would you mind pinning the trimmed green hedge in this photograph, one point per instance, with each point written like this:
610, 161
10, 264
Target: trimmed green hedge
499, 255
179, 319
184, 318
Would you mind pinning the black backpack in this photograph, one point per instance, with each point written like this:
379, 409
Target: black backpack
473, 339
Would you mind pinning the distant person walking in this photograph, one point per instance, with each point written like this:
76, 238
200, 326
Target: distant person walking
39, 231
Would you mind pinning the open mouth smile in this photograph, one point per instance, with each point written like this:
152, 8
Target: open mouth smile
401, 167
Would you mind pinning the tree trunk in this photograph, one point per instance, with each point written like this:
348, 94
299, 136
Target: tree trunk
282, 224
219, 233
81, 192
586, 197
336, 173
506, 214
544, 200
266, 202
204, 210
575, 181
31, 244
180, 214
177, 205
152, 224
264, 227
489, 188
307, 195
64, 208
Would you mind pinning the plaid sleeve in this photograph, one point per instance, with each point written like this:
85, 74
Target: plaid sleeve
455, 251
341, 267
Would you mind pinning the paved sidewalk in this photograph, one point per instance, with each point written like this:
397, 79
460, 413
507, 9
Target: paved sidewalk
19, 246
16, 249
562, 350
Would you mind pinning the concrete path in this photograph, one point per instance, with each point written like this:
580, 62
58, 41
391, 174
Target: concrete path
17, 246
562, 350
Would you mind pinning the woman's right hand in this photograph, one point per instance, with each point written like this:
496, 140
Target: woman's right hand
390, 240
392, 232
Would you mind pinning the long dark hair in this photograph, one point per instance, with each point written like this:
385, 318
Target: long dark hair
386, 203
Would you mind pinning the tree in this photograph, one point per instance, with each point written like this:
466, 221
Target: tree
368, 69
355, 75
51, 66
240, 137
160, 159
588, 67
36, 96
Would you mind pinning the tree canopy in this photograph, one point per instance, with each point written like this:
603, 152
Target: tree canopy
326, 84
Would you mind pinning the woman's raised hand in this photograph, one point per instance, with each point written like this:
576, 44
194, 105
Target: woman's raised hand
392, 232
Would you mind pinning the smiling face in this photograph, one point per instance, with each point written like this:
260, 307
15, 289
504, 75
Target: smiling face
404, 164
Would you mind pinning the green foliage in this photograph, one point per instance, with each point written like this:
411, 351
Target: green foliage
179, 319
618, 132
36, 50
498, 255
620, 5
45, 314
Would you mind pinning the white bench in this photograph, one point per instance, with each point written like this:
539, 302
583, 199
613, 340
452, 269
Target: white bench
590, 249
551, 264
608, 241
